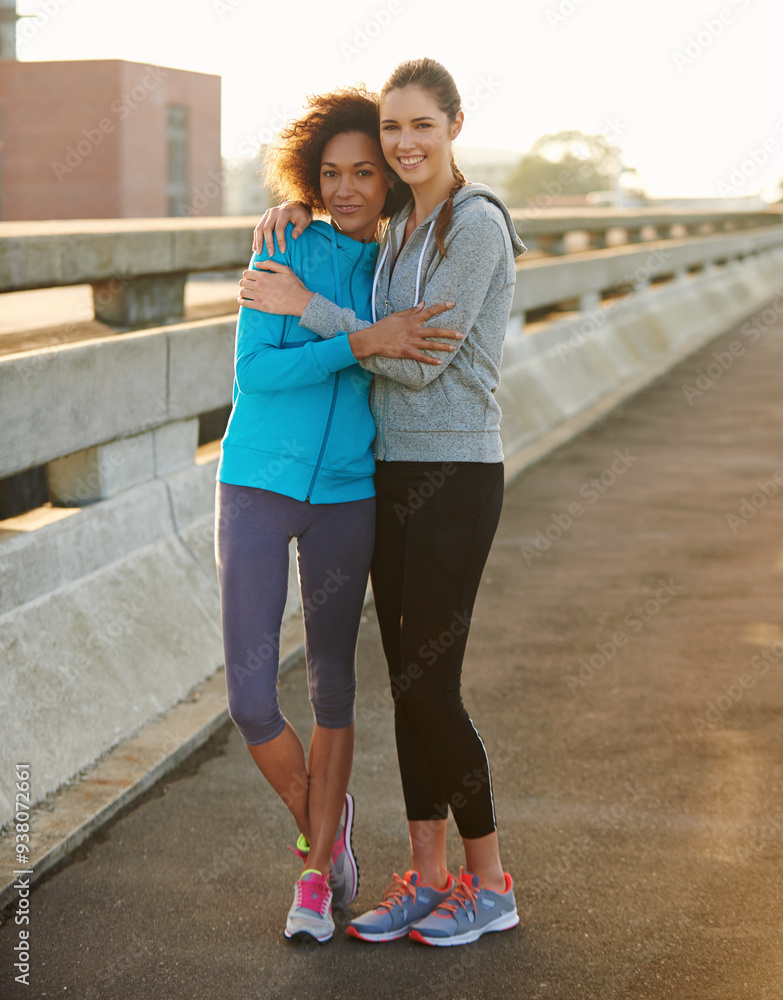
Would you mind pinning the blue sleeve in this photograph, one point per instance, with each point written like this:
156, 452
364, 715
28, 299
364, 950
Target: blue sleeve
262, 365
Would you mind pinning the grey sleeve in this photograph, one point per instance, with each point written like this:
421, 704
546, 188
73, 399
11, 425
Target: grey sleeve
464, 277
327, 319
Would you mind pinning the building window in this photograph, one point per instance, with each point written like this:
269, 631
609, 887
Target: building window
177, 187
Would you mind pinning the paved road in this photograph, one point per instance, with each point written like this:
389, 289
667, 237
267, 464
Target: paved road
617, 670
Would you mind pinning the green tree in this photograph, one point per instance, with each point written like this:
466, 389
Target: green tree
565, 163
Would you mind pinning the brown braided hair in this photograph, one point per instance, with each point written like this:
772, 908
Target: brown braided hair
432, 76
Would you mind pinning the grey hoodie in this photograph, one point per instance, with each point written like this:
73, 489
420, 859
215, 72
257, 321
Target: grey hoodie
447, 412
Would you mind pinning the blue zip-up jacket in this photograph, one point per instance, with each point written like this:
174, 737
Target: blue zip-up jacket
301, 422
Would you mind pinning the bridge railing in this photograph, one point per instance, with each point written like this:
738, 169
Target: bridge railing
109, 609
138, 268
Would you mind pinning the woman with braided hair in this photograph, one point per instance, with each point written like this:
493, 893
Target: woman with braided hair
439, 492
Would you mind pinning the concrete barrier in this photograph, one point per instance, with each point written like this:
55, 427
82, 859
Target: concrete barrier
109, 610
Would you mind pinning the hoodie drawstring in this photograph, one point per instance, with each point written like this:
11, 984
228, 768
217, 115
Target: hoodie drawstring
418, 271
378, 270
421, 260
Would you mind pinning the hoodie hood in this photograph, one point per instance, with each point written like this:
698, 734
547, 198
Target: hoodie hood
470, 201
465, 194
469, 191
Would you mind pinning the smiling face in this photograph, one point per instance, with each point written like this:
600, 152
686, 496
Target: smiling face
354, 183
416, 136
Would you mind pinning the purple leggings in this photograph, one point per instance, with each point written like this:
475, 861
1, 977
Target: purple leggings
334, 543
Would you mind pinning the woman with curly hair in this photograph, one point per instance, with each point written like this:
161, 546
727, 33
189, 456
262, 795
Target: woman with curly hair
439, 492
296, 462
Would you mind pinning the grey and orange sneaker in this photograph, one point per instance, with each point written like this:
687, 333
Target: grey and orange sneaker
406, 901
469, 912
344, 869
310, 917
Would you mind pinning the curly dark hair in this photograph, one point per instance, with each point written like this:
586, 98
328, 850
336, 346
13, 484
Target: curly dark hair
292, 167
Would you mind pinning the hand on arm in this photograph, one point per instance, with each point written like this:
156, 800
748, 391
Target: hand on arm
264, 365
403, 335
400, 335
474, 251
273, 223
272, 287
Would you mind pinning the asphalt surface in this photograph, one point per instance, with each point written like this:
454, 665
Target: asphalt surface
626, 677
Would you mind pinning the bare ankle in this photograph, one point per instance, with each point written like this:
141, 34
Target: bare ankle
438, 879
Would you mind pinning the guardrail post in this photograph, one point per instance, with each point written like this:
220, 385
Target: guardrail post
554, 244
100, 472
589, 301
141, 299
598, 239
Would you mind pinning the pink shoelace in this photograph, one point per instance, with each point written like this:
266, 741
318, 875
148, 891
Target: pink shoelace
313, 894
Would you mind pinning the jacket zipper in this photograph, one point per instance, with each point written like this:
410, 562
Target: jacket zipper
335, 390
317, 468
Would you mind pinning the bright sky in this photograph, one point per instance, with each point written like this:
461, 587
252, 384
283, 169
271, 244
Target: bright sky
690, 89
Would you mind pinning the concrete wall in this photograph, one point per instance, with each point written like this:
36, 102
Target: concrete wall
109, 609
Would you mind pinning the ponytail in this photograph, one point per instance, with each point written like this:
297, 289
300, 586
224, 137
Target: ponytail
445, 214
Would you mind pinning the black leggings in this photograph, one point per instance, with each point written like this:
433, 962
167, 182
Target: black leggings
435, 522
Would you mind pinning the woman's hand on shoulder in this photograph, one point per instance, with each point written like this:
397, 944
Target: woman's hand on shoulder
403, 335
273, 223
273, 288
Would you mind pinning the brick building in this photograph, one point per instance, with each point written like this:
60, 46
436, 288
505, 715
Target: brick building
107, 138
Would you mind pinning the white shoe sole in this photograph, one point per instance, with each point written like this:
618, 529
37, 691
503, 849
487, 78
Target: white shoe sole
351, 931
503, 923
305, 937
354, 867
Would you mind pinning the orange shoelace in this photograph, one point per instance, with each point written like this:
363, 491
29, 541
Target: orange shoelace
461, 895
396, 892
